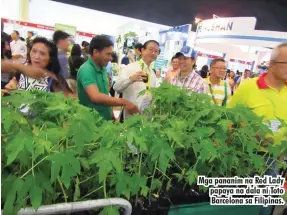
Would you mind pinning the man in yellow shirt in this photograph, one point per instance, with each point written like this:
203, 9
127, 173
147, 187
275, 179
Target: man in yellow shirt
218, 89
267, 96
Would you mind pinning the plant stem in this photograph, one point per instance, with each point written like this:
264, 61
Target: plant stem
105, 192
122, 162
92, 192
268, 166
226, 115
163, 173
139, 174
195, 163
62, 188
33, 167
140, 163
177, 165
67, 143
150, 189
42, 127
88, 179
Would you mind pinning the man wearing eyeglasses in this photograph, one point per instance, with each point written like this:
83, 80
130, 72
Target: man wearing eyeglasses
139, 76
187, 77
267, 96
218, 89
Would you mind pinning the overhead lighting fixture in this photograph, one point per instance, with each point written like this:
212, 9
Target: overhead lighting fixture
197, 20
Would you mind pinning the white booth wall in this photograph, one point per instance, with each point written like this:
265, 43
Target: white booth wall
243, 46
84, 19
230, 51
10, 9
49, 12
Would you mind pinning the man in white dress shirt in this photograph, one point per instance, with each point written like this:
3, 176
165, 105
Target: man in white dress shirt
18, 48
139, 76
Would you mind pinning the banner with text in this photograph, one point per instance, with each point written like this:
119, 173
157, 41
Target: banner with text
226, 26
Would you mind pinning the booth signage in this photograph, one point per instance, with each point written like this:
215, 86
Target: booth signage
72, 30
44, 27
208, 55
226, 26
240, 61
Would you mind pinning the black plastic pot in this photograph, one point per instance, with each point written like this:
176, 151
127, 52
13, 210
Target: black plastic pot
178, 195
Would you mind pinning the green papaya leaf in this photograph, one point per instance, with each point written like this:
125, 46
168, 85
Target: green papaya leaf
110, 210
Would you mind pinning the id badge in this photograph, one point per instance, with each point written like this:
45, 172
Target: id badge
274, 125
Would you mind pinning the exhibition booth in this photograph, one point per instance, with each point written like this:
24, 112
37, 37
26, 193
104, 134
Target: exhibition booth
233, 38
171, 41
44, 30
236, 40
134, 32
84, 23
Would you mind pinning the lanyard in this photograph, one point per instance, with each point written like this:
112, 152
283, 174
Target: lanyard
225, 94
184, 80
144, 70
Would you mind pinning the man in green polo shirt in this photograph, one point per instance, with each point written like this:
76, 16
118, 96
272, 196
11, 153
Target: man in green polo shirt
93, 85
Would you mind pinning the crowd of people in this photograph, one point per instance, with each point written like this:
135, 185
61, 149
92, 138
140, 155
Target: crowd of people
86, 73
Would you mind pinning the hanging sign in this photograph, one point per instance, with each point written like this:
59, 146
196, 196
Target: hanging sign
222, 26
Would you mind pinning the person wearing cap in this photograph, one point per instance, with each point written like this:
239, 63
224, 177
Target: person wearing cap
139, 76
61, 39
187, 77
218, 89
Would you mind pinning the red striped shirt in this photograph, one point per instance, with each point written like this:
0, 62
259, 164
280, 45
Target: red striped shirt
192, 81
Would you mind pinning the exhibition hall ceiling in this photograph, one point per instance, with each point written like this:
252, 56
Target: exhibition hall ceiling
270, 14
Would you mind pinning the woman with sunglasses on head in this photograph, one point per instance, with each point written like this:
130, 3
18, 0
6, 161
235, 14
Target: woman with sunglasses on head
43, 55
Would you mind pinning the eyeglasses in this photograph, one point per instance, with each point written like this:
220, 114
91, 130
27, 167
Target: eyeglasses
153, 51
220, 68
279, 62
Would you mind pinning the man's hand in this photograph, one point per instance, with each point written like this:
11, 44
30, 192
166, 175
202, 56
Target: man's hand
131, 108
138, 77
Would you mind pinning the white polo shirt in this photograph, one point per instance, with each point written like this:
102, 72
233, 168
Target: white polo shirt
131, 89
19, 47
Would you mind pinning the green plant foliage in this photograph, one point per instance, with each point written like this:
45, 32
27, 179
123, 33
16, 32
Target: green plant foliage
61, 151
130, 34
